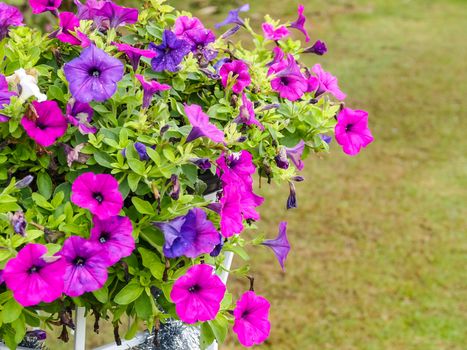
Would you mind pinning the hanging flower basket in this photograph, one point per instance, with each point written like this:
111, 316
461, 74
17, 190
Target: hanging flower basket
115, 124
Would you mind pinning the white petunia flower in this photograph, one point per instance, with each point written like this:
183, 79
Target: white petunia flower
27, 85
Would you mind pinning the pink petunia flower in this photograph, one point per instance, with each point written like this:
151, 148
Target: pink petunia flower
201, 125
352, 131
236, 70
150, 88
68, 23
327, 83
114, 236
134, 54
299, 24
97, 192
247, 114
86, 266
288, 80
184, 24
275, 34
39, 6
44, 122
252, 324
198, 294
34, 278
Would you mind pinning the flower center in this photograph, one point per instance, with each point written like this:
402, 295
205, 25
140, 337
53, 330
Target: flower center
245, 313
79, 261
41, 125
33, 269
98, 197
195, 288
284, 81
349, 127
104, 237
95, 72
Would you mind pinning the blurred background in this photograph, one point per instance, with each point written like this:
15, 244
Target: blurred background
379, 241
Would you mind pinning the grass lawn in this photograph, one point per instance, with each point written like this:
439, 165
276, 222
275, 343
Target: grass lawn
379, 242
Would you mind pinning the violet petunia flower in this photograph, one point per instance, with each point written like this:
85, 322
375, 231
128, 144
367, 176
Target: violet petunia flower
287, 79
247, 114
39, 6
116, 15
10, 16
218, 248
352, 131
327, 83
281, 159
5, 96
68, 23
34, 278
234, 17
280, 245
295, 154
170, 52
319, 48
326, 138
238, 72
86, 266
202, 163
150, 88
18, 221
202, 127
142, 151
134, 54
80, 114
299, 24
114, 236
44, 122
198, 294
292, 199
97, 192
251, 314
93, 75
275, 34
190, 235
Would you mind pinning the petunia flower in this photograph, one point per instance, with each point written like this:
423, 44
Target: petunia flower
190, 235
87, 11
326, 138
327, 83
299, 24
68, 22
141, 149
80, 114
275, 34
73, 154
27, 85
352, 131
200, 40
278, 56
44, 122
32, 277
281, 159
292, 199
86, 266
117, 15
93, 75
238, 71
319, 48
295, 154
251, 314
234, 17
134, 54
280, 245
5, 96
198, 294
39, 6
170, 53
19, 223
201, 125
202, 163
114, 235
247, 114
97, 192
10, 16
185, 24
150, 88
287, 79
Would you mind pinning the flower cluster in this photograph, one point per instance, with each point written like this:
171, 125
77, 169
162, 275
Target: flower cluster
115, 127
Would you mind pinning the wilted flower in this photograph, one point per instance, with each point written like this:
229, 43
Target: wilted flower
150, 88
327, 83
116, 15
234, 17
201, 125
170, 53
292, 199
175, 191
281, 159
319, 48
352, 131
39, 6
299, 24
10, 16
237, 71
134, 54
80, 114
27, 85
19, 223
73, 154
24, 182
288, 79
275, 34
280, 245
247, 114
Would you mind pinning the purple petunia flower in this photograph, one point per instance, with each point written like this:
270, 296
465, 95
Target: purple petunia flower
202, 163
44, 122
150, 88
170, 52
39, 6
247, 114
299, 24
5, 96
201, 125
116, 15
281, 159
134, 54
327, 83
86, 266
295, 154
141, 149
288, 80
19, 223
10, 16
80, 114
275, 34
319, 48
114, 236
280, 245
352, 131
97, 192
234, 17
93, 75
34, 278
87, 11
190, 235
218, 248
235, 71
326, 138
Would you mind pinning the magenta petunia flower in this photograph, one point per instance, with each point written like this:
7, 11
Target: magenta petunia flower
184, 24
87, 11
299, 24
93, 75
275, 34
280, 245
234, 17
198, 294
352, 131
10, 16
238, 71
34, 278
251, 314
68, 23
312, 82
194, 32
150, 88
288, 80
295, 154
319, 48
170, 53
44, 123
97, 192
114, 236
327, 83
247, 113
80, 114
134, 54
39, 6
201, 125
86, 266
116, 15
190, 235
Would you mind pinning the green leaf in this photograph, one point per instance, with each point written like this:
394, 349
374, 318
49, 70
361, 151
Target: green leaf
130, 334
142, 206
143, 307
19, 325
207, 336
102, 294
103, 159
128, 294
137, 166
44, 184
11, 311
41, 201
152, 262
219, 327
133, 181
